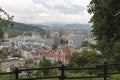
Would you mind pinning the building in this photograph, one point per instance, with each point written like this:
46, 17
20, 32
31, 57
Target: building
5, 36
36, 36
49, 42
63, 54
36, 57
75, 40
49, 56
11, 63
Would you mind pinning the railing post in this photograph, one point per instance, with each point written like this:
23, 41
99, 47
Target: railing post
105, 71
16, 74
62, 72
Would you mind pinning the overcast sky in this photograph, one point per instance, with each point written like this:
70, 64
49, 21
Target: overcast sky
47, 11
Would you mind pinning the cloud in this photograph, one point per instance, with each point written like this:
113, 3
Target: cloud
47, 11
52, 3
63, 6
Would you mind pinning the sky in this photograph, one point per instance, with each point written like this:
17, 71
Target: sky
48, 11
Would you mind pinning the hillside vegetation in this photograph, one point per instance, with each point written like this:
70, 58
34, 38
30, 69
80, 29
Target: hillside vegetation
24, 29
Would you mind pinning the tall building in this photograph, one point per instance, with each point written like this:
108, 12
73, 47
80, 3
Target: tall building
5, 36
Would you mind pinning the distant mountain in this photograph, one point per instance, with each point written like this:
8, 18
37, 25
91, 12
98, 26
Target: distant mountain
54, 25
25, 29
72, 26
42, 26
78, 26
66, 26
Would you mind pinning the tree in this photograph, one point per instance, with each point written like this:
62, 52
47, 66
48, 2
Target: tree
5, 21
45, 63
62, 41
84, 58
17, 55
105, 25
3, 55
54, 47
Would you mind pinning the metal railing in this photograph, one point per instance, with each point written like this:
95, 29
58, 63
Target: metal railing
104, 68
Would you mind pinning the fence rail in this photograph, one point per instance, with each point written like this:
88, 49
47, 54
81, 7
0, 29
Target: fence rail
105, 67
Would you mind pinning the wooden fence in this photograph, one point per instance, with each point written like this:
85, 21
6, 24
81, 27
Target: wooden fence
104, 68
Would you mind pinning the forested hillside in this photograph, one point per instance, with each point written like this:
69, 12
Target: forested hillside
24, 29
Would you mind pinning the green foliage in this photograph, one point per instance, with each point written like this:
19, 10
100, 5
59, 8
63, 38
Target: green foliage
105, 25
105, 19
45, 63
49, 72
25, 29
5, 20
62, 41
3, 55
85, 58
113, 77
85, 44
54, 47
7, 77
17, 55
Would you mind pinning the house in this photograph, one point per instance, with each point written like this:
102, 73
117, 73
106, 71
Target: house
7, 65
48, 54
63, 54
26, 53
36, 57
49, 42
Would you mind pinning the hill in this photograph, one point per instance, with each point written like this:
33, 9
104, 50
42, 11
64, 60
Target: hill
42, 26
73, 26
65, 26
24, 29
78, 26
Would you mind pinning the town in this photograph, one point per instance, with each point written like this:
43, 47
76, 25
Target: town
58, 47
59, 39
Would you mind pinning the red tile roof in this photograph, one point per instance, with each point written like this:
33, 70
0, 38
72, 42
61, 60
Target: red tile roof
49, 54
44, 51
66, 50
34, 53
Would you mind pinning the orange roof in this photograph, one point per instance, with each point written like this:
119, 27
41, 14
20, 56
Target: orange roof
49, 54
34, 53
66, 50
44, 51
